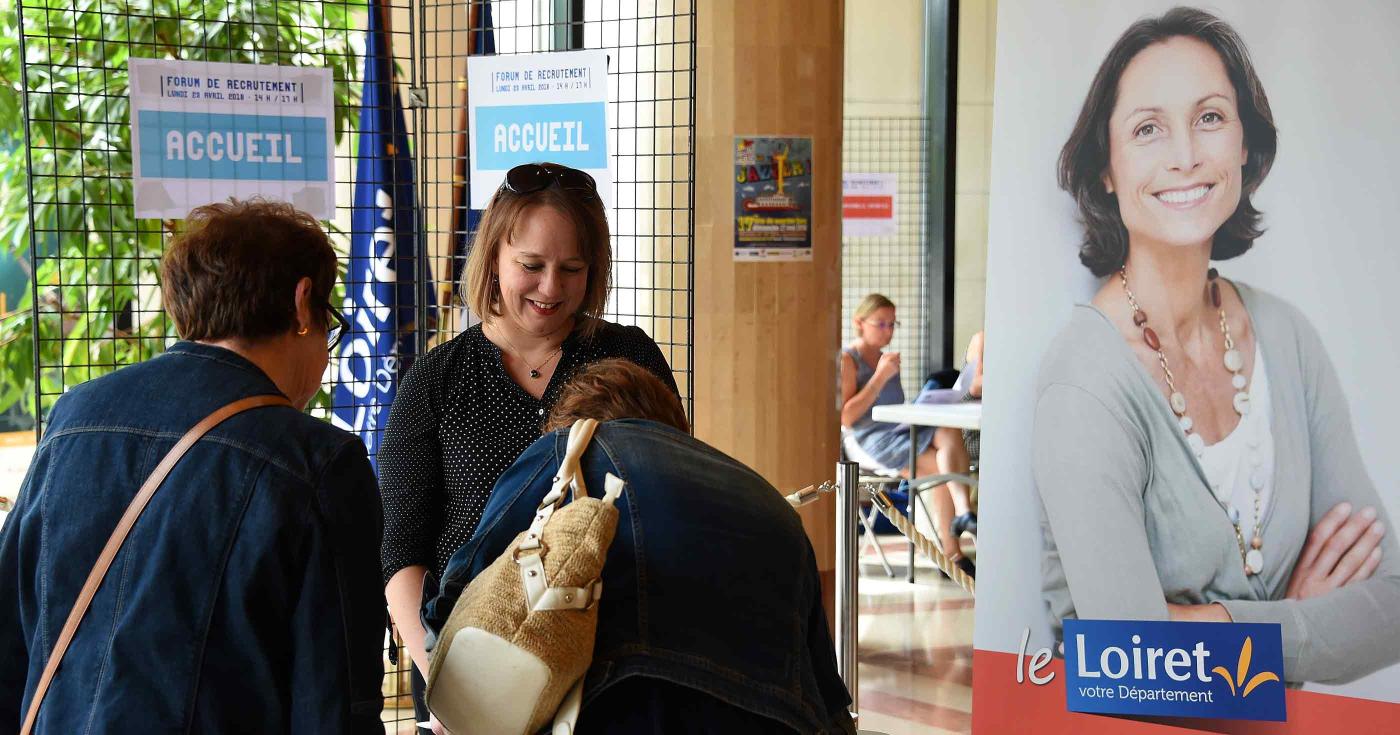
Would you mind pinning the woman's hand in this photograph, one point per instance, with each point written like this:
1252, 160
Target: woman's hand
1342, 548
887, 367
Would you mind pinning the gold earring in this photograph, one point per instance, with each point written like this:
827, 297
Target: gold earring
302, 332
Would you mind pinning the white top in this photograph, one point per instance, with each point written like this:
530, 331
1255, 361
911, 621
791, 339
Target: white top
1243, 461
952, 415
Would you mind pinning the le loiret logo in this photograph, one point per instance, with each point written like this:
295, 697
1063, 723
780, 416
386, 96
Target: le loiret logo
1171, 669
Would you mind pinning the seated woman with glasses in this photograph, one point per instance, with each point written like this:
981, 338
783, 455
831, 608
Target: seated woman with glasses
537, 276
870, 378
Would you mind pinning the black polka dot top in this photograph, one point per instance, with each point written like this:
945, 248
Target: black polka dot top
458, 421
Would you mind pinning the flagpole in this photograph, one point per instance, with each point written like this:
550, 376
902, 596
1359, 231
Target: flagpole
460, 203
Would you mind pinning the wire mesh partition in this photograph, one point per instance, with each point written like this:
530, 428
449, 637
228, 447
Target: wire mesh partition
94, 304
651, 83
894, 265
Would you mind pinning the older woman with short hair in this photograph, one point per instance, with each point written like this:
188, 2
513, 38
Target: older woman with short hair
245, 597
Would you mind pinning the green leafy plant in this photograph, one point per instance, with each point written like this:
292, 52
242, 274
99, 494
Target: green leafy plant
95, 265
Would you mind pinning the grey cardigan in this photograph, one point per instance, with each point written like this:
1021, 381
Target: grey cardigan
1130, 524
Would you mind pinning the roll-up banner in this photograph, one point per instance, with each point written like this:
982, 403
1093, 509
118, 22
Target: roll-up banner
1188, 476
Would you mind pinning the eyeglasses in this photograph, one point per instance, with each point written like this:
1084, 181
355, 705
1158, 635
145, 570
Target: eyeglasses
336, 328
529, 178
881, 325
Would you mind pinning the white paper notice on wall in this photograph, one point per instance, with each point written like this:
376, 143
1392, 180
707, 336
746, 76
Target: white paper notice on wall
536, 108
202, 132
868, 205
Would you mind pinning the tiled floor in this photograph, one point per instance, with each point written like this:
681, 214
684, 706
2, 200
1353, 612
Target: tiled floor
915, 649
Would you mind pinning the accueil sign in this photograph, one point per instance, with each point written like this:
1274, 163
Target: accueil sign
534, 108
203, 132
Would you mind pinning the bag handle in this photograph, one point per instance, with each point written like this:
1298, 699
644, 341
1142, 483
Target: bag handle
529, 554
569, 477
118, 537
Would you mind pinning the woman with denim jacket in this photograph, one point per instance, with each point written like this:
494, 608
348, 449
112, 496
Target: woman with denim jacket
244, 599
711, 617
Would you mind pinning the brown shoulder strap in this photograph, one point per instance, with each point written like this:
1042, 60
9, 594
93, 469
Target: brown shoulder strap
114, 544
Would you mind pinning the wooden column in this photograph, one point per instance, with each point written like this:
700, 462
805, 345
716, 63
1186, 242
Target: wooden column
767, 334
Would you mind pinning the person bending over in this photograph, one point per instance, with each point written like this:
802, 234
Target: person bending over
711, 617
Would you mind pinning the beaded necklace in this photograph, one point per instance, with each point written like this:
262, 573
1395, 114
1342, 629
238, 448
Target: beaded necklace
1252, 554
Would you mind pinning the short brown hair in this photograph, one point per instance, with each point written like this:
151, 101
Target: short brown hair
499, 224
233, 272
616, 389
1085, 155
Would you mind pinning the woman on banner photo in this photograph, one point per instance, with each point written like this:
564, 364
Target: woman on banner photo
1192, 446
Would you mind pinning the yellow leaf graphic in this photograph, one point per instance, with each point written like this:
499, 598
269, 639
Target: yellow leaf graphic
1258, 679
1245, 653
1226, 676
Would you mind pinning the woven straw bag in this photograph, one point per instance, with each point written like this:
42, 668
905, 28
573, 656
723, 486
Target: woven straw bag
512, 655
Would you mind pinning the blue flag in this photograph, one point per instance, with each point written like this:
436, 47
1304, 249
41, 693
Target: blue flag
483, 43
380, 280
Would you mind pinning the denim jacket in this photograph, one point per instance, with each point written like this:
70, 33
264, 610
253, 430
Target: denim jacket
246, 598
710, 581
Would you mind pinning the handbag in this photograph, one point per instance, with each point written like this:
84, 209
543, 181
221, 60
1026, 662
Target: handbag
119, 534
512, 655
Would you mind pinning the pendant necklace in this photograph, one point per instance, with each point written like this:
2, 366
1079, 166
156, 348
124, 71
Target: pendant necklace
1252, 554
534, 371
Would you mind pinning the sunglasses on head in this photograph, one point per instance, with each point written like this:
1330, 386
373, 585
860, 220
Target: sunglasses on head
529, 178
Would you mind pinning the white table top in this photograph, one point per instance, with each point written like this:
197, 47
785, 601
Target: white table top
953, 415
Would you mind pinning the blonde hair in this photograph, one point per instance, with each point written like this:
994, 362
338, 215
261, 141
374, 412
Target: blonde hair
873, 303
499, 223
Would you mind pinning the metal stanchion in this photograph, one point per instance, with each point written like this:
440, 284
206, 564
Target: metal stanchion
847, 509
848, 491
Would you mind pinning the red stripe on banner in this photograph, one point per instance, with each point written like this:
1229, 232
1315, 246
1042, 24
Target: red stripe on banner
867, 207
1001, 705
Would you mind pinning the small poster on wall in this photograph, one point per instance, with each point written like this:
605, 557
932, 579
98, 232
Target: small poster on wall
202, 132
772, 198
868, 205
537, 108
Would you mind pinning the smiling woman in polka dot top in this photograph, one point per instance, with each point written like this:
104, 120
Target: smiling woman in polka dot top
538, 275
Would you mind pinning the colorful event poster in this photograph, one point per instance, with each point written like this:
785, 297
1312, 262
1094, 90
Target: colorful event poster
202, 132
1191, 354
772, 198
536, 108
869, 205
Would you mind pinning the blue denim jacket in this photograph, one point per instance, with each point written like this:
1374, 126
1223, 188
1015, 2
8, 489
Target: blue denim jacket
245, 600
710, 582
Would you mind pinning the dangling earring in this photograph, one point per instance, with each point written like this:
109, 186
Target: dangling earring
302, 332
